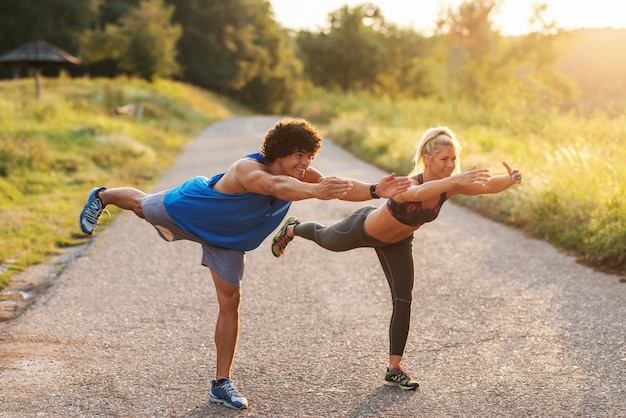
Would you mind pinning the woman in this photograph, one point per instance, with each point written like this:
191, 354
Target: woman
389, 228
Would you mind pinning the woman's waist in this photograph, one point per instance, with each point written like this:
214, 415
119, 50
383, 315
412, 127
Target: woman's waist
382, 226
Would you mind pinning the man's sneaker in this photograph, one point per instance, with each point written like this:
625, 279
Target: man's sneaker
281, 240
88, 218
398, 377
225, 392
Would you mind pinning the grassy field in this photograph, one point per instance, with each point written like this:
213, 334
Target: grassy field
54, 149
573, 194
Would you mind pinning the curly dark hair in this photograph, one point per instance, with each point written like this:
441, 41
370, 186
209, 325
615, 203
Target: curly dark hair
289, 136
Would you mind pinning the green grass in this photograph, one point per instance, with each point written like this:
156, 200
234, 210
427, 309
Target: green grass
573, 194
55, 149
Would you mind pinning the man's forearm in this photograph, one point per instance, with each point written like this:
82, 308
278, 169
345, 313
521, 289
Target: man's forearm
289, 188
360, 191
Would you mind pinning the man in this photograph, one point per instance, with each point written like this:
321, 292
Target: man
233, 212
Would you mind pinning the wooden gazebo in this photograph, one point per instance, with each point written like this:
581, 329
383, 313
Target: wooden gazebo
38, 55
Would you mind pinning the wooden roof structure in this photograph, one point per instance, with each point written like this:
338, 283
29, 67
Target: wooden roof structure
38, 55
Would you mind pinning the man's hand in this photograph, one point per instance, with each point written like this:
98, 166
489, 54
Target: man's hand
390, 185
332, 188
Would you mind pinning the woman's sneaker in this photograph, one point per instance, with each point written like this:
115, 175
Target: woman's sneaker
281, 239
225, 392
400, 378
88, 218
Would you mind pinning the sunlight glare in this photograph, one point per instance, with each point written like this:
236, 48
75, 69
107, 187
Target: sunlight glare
512, 18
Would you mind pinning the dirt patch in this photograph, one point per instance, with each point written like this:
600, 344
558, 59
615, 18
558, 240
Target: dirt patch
26, 288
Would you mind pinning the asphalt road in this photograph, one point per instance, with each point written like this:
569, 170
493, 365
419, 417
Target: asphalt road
502, 325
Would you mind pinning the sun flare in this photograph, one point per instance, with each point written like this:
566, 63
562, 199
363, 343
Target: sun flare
512, 18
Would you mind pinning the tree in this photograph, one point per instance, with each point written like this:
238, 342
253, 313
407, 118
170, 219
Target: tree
473, 46
351, 54
408, 64
489, 69
111, 11
537, 53
143, 43
235, 47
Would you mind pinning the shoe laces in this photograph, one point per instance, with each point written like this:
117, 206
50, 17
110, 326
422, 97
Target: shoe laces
402, 375
94, 210
282, 242
230, 388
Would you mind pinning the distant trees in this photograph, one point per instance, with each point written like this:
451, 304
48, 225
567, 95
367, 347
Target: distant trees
485, 67
466, 58
233, 47
351, 54
236, 48
472, 47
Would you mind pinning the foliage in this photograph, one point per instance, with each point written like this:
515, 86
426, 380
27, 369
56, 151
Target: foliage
466, 59
411, 65
111, 11
142, 43
350, 55
54, 150
236, 48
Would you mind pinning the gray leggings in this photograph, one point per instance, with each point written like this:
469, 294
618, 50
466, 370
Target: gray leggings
396, 260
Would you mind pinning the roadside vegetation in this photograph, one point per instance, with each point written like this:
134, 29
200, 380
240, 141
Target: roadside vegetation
55, 149
573, 194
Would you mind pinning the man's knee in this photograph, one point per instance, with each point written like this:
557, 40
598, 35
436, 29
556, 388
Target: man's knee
231, 299
228, 295
138, 208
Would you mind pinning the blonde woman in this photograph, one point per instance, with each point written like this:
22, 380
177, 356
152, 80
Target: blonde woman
389, 228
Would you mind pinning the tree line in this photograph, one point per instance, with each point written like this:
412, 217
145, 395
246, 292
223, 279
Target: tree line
237, 48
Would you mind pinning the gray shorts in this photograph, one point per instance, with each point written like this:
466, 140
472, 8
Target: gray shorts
227, 264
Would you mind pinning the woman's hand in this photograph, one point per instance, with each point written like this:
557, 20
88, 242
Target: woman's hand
514, 173
472, 176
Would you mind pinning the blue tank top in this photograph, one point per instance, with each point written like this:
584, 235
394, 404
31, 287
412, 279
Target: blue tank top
412, 213
236, 221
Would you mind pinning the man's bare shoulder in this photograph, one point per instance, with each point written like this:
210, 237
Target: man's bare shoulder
238, 174
249, 164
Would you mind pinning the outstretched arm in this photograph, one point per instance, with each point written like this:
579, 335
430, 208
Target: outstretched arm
467, 181
246, 175
388, 186
313, 185
493, 185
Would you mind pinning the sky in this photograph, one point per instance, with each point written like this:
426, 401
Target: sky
421, 14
